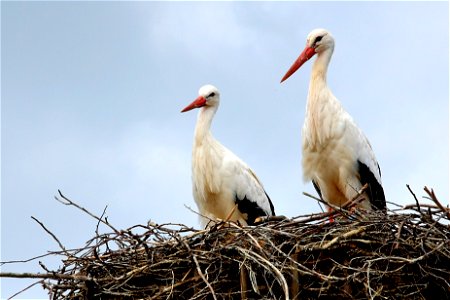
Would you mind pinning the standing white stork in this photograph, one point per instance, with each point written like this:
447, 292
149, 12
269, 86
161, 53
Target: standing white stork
337, 156
223, 185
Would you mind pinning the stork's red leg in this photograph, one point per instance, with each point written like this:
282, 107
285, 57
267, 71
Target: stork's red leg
331, 217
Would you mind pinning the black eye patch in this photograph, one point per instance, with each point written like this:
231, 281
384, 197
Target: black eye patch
211, 95
318, 39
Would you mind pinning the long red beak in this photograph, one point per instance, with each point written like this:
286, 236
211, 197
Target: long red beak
198, 102
307, 53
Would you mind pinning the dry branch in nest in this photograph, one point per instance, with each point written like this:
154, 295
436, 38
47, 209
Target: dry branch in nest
404, 254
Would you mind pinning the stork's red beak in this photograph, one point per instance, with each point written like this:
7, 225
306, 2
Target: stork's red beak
307, 53
198, 102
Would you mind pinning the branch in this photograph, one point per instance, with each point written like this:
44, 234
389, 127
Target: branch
267, 265
67, 201
24, 289
415, 198
199, 270
343, 236
53, 236
436, 201
53, 275
30, 259
324, 214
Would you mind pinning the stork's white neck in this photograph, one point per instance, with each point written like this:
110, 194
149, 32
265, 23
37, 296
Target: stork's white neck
321, 103
204, 119
318, 88
320, 65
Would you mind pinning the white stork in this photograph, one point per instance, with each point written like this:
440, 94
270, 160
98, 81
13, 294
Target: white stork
223, 185
337, 156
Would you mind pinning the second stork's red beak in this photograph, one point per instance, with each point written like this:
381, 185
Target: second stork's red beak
307, 53
198, 102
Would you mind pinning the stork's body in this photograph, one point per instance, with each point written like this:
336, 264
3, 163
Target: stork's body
337, 156
223, 185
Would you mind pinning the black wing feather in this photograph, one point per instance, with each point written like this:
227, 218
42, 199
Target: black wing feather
316, 186
251, 209
272, 209
375, 190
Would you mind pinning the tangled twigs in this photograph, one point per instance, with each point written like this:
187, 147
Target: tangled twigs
199, 270
345, 209
430, 193
401, 255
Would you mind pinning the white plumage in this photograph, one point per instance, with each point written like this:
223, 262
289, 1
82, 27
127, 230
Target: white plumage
337, 156
220, 179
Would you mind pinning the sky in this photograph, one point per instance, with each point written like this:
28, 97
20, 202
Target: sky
91, 94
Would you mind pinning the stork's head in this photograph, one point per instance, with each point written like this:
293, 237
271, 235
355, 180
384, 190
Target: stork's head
208, 95
318, 41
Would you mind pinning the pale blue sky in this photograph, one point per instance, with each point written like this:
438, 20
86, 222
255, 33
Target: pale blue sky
92, 92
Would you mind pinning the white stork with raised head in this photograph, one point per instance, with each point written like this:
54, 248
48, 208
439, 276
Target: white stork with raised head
223, 185
337, 156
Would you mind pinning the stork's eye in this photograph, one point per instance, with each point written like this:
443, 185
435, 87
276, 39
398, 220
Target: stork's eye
211, 95
318, 39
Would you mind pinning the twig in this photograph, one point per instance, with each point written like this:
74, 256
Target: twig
415, 198
408, 260
25, 289
343, 209
435, 200
67, 201
30, 259
200, 215
323, 215
52, 235
355, 200
230, 214
101, 218
343, 236
267, 264
199, 270
52, 275
255, 242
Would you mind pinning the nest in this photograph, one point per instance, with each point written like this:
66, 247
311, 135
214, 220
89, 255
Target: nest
403, 254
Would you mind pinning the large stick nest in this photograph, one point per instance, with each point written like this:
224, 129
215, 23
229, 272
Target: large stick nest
404, 254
